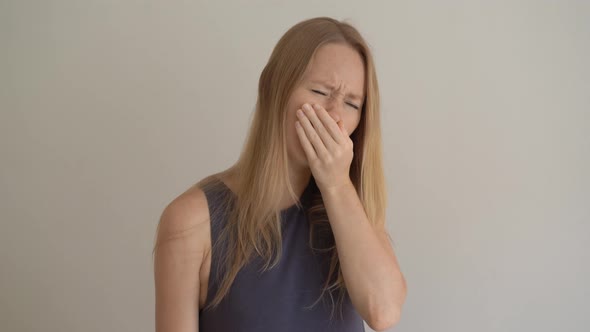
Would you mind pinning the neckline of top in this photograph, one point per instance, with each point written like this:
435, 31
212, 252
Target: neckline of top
293, 206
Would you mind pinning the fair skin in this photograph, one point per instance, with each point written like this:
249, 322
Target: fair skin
374, 281
335, 81
320, 147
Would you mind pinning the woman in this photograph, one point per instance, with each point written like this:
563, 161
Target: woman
300, 217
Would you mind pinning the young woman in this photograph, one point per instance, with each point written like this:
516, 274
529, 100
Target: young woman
300, 217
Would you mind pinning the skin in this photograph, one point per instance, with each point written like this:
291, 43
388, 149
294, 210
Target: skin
374, 281
320, 146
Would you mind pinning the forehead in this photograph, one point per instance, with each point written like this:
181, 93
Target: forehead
338, 65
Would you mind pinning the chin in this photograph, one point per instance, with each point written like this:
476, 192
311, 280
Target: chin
302, 158
301, 161
297, 157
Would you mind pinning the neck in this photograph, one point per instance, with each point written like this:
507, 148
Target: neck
298, 176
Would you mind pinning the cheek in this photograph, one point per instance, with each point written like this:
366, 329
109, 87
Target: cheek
353, 125
291, 131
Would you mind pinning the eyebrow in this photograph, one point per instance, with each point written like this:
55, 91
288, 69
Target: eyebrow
331, 87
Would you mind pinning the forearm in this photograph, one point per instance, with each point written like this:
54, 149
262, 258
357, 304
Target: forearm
373, 278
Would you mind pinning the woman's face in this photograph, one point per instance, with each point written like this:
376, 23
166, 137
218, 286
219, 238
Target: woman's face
335, 79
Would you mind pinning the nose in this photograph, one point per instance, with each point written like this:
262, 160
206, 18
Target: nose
334, 107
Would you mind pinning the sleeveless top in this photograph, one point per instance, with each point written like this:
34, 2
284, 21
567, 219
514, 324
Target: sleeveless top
274, 300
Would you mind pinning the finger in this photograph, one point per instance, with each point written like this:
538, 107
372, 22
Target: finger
331, 126
312, 135
342, 128
305, 143
314, 118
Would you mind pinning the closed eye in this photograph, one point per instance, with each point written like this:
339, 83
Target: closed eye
353, 106
324, 94
319, 92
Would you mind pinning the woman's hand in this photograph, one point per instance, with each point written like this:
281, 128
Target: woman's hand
327, 145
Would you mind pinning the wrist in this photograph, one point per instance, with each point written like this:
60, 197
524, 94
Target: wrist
337, 188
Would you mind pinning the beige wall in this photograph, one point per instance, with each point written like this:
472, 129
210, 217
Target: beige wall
109, 109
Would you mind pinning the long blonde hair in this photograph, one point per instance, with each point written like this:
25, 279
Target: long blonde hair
261, 172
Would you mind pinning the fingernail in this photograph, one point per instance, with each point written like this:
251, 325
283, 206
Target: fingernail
316, 106
307, 107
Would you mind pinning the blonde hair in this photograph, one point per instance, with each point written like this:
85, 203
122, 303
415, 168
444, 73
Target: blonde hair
261, 172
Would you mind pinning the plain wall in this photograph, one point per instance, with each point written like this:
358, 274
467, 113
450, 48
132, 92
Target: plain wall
110, 109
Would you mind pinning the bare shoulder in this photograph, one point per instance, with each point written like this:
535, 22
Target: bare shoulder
186, 216
182, 244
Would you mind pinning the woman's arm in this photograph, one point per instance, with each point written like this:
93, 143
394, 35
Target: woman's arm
179, 253
372, 275
373, 278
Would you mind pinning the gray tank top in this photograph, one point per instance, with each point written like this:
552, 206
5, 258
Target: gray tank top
274, 300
